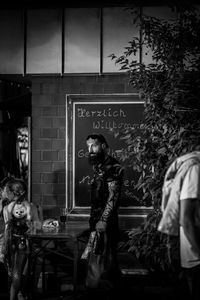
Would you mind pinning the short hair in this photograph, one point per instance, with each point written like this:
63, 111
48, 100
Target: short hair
99, 137
17, 186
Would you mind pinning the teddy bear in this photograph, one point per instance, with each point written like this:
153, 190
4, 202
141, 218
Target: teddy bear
17, 216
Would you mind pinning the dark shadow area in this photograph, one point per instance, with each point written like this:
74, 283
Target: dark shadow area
4, 291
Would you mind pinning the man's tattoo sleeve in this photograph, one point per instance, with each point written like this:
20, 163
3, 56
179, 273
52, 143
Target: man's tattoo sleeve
114, 189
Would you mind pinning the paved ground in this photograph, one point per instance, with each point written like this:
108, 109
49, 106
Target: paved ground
129, 289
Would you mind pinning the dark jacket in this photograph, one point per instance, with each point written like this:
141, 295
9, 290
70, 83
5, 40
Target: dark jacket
105, 194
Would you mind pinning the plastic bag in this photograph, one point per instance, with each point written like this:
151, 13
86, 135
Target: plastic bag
99, 263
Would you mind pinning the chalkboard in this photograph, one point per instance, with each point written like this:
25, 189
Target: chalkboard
103, 114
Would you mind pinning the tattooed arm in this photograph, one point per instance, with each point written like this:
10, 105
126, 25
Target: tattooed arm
114, 190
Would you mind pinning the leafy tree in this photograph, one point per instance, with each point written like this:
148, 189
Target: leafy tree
170, 88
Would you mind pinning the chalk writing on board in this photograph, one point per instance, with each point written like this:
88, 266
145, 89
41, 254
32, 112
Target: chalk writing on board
104, 113
87, 179
116, 153
126, 185
102, 118
107, 115
111, 125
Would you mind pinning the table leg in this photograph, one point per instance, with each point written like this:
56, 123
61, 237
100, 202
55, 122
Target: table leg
75, 267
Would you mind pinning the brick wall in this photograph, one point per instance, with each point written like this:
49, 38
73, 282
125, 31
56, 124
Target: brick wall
48, 131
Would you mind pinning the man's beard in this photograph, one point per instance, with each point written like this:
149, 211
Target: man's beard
96, 158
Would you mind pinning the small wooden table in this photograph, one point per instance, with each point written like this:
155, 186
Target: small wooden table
46, 241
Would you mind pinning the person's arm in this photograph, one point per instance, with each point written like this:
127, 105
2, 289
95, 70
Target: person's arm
7, 212
190, 205
114, 190
36, 218
188, 210
1, 206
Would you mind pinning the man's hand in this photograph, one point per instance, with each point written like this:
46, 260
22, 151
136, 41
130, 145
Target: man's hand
101, 226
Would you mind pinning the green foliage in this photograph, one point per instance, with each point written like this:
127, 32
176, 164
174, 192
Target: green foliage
158, 252
170, 89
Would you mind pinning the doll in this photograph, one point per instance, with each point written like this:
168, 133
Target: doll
17, 218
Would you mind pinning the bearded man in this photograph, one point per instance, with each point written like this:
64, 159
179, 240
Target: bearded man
105, 190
